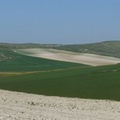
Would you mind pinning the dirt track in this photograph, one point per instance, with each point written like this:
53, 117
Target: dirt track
89, 59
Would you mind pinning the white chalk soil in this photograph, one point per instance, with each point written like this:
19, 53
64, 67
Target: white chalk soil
83, 58
23, 106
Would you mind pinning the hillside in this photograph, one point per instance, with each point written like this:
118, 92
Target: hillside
27, 45
73, 57
5, 53
109, 48
22, 73
6, 49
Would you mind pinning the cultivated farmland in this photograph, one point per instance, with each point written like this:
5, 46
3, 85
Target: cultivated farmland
48, 77
22, 106
83, 58
33, 71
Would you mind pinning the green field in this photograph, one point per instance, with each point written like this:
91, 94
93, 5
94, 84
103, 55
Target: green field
83, 82
17, 62
54, 78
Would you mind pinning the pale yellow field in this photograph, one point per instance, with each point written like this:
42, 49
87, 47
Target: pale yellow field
84, 58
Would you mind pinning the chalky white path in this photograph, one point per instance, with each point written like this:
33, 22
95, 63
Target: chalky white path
84, 58
23, 106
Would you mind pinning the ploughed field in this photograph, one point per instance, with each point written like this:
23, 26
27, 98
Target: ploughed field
22, 106
82, 58
57, 78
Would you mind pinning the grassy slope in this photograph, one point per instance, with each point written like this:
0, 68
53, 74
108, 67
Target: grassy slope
4, 53
109, 48
24, 63
83, 82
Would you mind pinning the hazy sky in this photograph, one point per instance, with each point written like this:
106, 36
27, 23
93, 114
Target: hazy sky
59, 21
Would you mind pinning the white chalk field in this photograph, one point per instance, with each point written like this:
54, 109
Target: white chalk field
83, 58
23, 106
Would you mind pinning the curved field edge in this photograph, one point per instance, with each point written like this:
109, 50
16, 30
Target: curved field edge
74, 57
22, 63
83, 82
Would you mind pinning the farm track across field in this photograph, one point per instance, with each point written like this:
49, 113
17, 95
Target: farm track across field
30, 72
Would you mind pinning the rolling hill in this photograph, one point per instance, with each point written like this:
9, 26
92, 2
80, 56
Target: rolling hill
29, 74
108, 48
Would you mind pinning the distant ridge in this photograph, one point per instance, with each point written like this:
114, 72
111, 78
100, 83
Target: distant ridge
108, 48
26, 45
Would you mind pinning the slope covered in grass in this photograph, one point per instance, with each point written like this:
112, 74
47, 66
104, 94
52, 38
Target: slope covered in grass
54, 78
108, 48
19, 62
82, 82
4, 53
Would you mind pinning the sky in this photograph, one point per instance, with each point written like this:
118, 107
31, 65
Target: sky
59, 21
